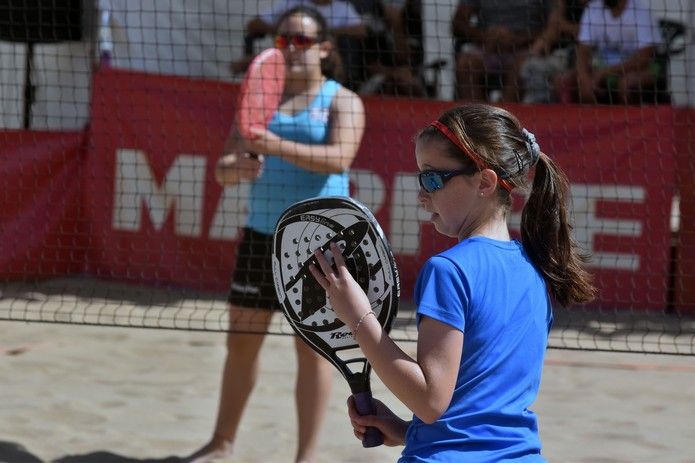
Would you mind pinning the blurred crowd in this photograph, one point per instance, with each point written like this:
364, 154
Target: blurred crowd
530, 51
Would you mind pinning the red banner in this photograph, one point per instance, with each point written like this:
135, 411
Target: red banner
140, 204
684, 282
41, 234
152, 196
157, 215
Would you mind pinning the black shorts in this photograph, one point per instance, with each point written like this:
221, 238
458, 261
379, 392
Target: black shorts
252, 284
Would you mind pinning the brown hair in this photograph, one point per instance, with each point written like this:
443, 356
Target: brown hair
498, 139
332, 65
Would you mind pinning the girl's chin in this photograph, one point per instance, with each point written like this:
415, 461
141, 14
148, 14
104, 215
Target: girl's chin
439, 226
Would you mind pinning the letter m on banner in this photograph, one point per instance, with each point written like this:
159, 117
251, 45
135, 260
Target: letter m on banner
181, 191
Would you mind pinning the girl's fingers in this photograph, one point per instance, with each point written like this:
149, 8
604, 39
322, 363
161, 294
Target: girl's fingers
358, 427
323, 263
319, 276
337, 255
329, 272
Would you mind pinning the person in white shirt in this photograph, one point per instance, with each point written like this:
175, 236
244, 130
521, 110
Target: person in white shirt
616, 48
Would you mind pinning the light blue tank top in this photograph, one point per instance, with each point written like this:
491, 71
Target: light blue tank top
282, 183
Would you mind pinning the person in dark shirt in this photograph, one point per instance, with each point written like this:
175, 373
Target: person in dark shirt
495, 37
552, 52
385, 61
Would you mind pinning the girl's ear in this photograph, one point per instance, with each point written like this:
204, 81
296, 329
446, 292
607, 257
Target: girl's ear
325, 49
488, 182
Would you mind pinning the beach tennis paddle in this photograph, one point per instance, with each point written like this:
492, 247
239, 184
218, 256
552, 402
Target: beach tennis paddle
261, 91
315, 224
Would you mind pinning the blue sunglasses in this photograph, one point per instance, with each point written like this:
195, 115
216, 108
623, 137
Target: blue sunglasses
433, 180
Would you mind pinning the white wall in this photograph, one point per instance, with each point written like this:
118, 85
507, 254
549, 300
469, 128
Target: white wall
180, 37
438, 41
61, 75
689, 58
197, 38
11, 84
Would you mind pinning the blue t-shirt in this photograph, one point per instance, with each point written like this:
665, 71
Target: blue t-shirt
490, 291
282, 183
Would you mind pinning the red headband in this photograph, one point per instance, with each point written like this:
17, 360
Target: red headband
446, 131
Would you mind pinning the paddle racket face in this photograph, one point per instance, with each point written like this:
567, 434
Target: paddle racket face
315, 224
261, 91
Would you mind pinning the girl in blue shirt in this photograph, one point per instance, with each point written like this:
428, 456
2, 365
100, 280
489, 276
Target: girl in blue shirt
483, 306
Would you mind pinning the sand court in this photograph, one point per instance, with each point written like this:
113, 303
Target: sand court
94, 394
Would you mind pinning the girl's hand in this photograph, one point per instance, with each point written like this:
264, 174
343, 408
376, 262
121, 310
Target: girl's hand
391, 426
348, 300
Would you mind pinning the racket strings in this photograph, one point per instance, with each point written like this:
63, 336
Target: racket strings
313, 297
298, 235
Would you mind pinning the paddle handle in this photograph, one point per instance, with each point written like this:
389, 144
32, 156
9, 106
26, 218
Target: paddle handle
365, 406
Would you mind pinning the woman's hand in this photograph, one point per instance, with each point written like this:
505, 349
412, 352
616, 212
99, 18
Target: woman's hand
348, 300
391, 426
264, 141
236, 167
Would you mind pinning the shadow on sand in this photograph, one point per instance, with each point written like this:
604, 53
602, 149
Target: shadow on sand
12, 452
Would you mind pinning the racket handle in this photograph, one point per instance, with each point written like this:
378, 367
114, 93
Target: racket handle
365, 406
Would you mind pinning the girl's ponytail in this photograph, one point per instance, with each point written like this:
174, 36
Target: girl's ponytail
547, 236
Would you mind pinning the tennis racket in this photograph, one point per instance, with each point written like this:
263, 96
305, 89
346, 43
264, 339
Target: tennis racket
315, 224
261, 91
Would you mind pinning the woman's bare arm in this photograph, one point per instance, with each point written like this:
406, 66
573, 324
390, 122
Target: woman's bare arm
347, 126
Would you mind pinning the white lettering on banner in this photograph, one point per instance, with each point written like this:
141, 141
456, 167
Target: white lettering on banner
231, 213
181, 190
407, 218
369, 188
587, 225
406, 215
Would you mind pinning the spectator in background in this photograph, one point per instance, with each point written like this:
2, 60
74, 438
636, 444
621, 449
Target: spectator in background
615, 54
385, 61
496, 43
342, 19
552, 52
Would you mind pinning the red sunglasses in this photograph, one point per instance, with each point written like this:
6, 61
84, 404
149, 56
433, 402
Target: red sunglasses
299, 41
